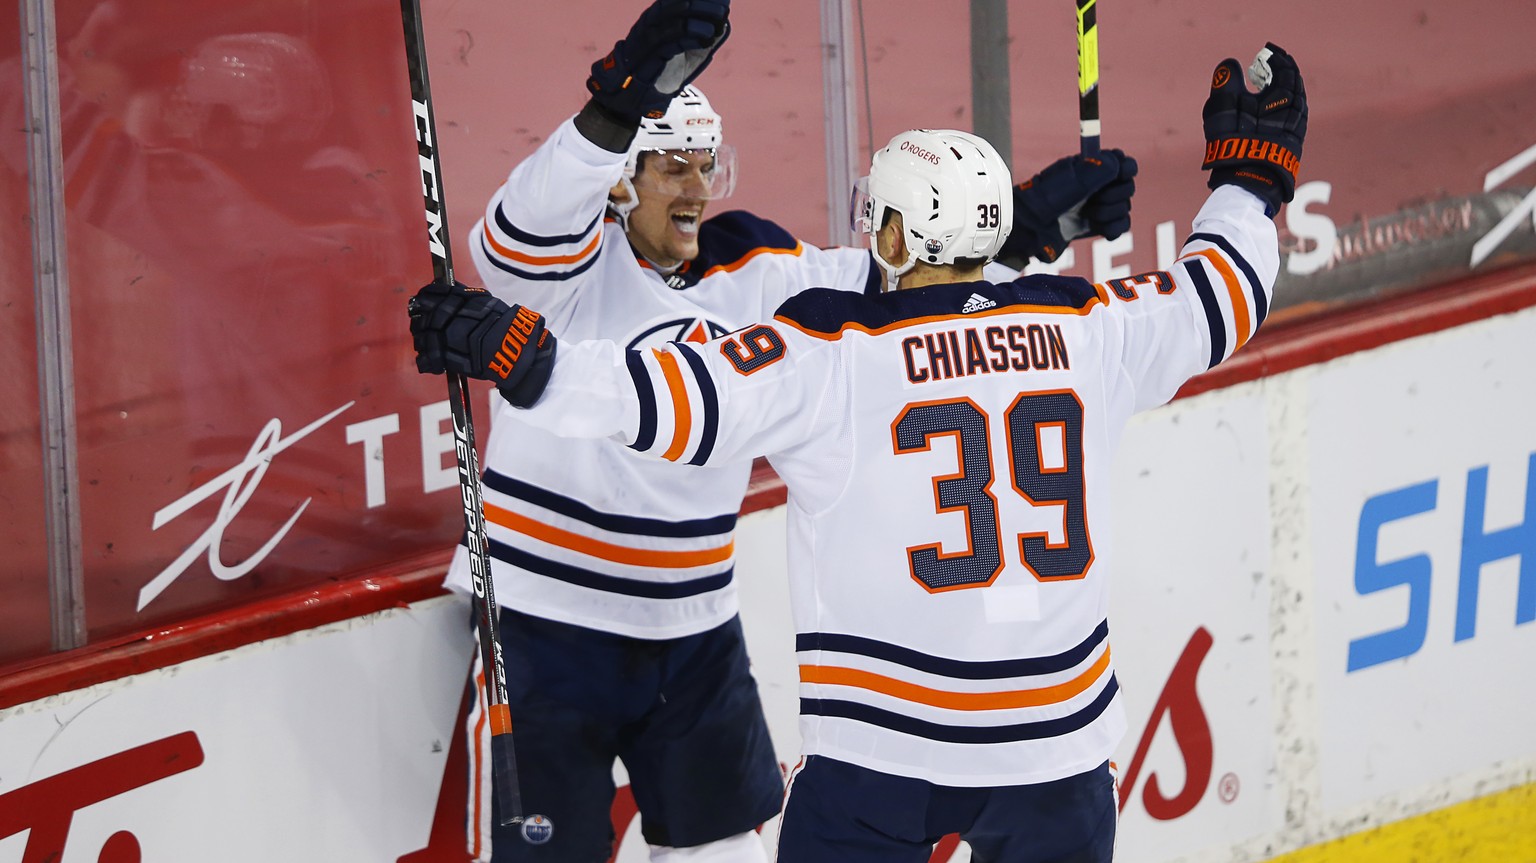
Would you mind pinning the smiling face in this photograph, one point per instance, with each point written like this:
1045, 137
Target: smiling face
674, 188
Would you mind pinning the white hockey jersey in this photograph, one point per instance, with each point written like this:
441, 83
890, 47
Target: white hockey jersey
947, 452
583, 531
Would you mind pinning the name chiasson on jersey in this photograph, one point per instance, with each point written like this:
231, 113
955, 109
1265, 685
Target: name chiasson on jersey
978, 349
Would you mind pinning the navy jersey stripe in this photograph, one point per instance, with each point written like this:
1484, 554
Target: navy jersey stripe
646, 437
726, 239
1044, 289
1213, 318
529, 239
965, 733
957, 668
1261, 302
627, 524
608, 583
711, 404
827, 311
538, 277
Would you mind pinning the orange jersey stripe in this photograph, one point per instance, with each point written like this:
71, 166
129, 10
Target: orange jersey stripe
1235, 290
739, 262
917, 322
606, 550
682, 413
524, 258
955, 700
760, 250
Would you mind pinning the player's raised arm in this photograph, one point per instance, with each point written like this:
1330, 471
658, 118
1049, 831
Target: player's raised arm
1074, 197
666, 49
544, 227
668, 403
1253, 141
1187, 319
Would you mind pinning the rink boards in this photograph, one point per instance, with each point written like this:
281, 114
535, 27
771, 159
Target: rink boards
1322, 621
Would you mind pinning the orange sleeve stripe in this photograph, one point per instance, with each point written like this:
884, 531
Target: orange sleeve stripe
955, 700
606, 550
1235, 290
760, 250
682, 414
918, 322
520, 257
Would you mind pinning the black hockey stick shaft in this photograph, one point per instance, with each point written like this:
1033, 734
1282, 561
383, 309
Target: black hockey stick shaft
1088, 75
503, 757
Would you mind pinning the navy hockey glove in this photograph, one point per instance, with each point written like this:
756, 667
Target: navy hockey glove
469, 332
1254, 141
669, 45
1074, 197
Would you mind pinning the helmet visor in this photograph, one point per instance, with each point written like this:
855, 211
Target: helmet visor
861, 208
704, 174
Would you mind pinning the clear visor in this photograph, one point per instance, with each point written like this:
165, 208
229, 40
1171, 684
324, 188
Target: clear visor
861, 209
704, 174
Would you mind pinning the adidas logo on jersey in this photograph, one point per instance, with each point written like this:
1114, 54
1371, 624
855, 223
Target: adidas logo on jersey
976, 303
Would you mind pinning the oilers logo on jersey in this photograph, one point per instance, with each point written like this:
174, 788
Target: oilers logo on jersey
695, 329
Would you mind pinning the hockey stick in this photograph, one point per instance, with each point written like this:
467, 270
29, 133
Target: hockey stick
503, 757
1088, 75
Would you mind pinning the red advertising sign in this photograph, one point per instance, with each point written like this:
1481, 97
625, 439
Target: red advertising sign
242, 224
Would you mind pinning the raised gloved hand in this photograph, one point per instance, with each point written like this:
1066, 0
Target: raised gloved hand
669, 45
1074, 197
469, 332
1254, 141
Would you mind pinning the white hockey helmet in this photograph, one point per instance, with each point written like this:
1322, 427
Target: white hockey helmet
689, 125
952, 189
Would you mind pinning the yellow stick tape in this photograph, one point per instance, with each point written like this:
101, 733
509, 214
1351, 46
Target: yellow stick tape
1087, 54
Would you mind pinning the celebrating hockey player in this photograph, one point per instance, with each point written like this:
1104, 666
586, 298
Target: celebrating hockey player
947, 450
619, 622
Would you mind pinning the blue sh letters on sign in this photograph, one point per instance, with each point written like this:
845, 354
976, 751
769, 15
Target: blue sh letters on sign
1479, 546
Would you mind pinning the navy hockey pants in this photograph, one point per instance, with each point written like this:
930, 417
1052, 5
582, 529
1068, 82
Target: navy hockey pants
841, 813
682, 714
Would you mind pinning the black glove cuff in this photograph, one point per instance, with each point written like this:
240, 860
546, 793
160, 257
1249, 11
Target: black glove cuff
1021, 245
526, 392
605, 128
1035, 234
1266, 185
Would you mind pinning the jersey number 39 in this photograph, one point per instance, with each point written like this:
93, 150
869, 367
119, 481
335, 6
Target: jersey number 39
1031, 421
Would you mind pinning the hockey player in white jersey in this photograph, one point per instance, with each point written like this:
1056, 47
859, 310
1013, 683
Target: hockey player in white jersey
946, 449
620, 628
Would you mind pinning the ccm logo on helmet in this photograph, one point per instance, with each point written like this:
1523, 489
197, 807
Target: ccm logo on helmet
699, 121
909, 147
